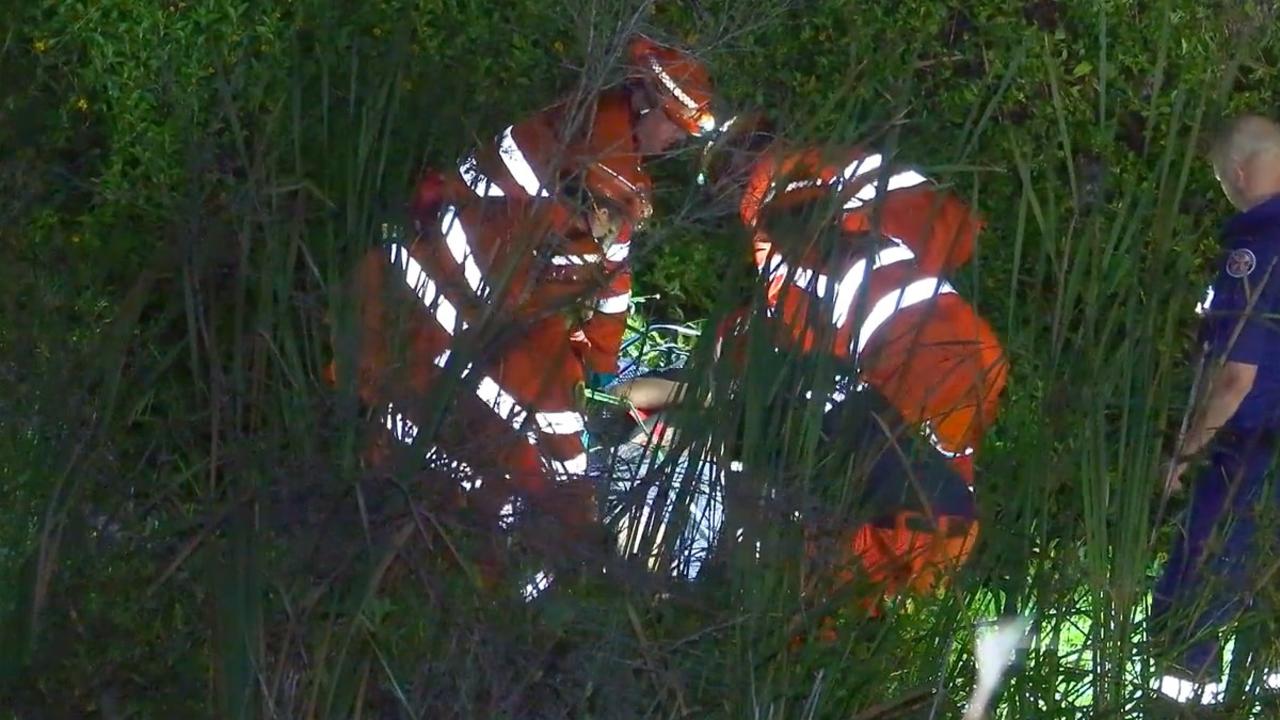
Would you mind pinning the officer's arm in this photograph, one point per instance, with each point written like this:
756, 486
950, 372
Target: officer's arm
1247, 336
1227, 388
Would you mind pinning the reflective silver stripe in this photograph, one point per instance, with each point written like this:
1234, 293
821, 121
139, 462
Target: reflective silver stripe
836, 397
566, 422
1206, 303
507, 515
774, 265
614, 304
455, 238
469, 480
574, 259
405, 431
913, 294
627, 183
617, 252
576, 465
862, 166
858, 167
518, 165
401, 427
847, 288
936, 442
904, 179
479, 183
426, 290
492, 394
670, 84
804, 279
536, 586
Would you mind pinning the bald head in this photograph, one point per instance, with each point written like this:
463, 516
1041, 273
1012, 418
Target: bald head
1246, 159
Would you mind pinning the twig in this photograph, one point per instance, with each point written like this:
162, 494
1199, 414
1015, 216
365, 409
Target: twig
194, 542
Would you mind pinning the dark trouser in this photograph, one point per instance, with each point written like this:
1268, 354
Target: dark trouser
1214, 565
902, 472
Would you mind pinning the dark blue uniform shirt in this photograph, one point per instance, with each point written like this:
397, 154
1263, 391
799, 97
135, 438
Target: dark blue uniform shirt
1251, 244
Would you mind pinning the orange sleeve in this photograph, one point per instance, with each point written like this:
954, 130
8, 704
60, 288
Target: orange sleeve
601, 335
936, 226
603, 339
754, 192
941, 363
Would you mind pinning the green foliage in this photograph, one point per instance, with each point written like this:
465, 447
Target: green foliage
184, 187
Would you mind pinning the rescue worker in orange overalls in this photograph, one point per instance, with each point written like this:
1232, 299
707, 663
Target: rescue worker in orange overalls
852, 251
515, 284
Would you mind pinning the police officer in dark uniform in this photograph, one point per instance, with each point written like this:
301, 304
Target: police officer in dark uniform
1214, 568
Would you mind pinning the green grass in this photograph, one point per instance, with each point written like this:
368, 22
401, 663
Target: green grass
186, 186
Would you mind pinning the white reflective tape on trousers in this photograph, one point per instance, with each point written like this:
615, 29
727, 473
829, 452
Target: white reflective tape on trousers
884, 308
426, 290
518, 165
614, 304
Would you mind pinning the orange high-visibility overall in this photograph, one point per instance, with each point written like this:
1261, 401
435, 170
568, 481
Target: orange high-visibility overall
884, 306
504, 298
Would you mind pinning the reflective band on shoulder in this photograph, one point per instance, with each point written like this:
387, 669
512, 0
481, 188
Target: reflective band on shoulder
455, 238
574, 259
566, 422
492, 394
904, 179
576, 465
670, 84
617, 252
518, 165
425, 288
847, 288
614, 304
479, 183
913, 294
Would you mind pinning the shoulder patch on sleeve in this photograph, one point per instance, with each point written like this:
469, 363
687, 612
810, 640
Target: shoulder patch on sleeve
1241, 262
